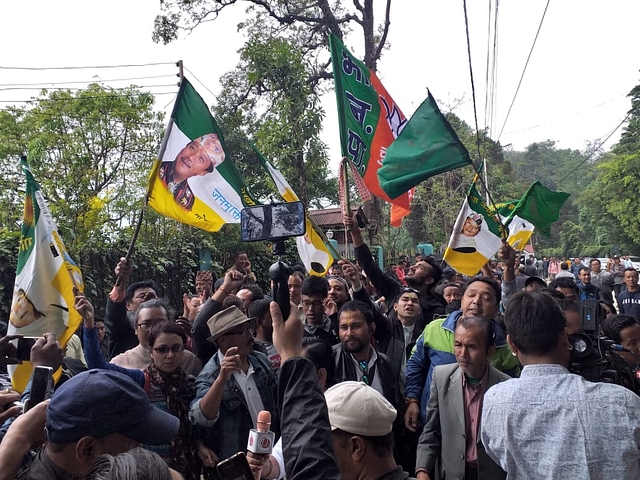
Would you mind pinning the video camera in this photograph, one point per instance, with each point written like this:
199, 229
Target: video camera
275, 222
588, 357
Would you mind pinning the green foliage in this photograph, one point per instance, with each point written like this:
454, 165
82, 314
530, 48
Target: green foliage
268, 97
91, 152
9, 242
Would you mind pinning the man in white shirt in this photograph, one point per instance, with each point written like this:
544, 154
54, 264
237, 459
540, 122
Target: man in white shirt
233, 386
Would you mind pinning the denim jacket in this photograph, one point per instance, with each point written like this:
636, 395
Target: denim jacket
228, 433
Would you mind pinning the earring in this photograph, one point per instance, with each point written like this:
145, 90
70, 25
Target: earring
514, 354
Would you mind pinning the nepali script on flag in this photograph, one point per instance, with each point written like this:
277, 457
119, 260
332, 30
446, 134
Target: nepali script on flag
311, 247
43, 296
195, 181
369, 122
476, 236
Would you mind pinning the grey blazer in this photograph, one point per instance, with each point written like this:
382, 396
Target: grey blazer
442, 447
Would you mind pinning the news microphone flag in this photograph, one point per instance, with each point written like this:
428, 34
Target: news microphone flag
195, 180
43, 296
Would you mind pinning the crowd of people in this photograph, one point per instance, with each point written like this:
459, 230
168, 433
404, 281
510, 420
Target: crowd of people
413, 372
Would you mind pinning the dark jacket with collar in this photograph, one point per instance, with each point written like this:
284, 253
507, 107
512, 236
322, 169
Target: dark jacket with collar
389, 374
389, 333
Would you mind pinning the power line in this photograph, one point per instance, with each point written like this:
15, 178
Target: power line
596, 148
85, 67
88, 97
524, 69
95, 80
196, 79
73, 89
567, 116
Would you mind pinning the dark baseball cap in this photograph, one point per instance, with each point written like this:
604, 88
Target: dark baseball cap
97, 403
535, 279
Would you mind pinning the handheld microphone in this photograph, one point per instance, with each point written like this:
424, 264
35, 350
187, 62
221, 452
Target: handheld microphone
261, 439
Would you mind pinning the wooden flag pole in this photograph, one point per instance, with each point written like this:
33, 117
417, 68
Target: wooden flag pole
163, 147
347, 203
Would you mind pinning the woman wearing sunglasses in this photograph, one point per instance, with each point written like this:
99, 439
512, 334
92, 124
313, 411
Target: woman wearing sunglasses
169, 387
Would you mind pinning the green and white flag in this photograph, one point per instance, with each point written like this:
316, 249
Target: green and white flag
195, 181
43, 295
476, 236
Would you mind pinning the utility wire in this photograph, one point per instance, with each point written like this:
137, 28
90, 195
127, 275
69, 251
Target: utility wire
486, 77
205, 87
595, 149
88, 97
84, 68
475, 114
524, 69
567, 116
75, 89
494, 72
95, 80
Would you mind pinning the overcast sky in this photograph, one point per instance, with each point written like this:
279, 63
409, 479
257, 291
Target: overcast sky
584, 63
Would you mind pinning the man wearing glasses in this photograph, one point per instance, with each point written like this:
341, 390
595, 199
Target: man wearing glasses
146, 316
317, 323
234, 385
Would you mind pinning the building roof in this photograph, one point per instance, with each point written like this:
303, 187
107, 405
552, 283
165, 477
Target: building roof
328, 217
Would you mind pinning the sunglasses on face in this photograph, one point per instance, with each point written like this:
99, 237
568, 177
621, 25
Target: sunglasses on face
164, 349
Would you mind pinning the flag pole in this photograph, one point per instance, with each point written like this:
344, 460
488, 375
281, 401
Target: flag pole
345, 173
163, 148
478, 176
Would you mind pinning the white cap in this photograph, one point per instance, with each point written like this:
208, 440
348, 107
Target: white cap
359, 409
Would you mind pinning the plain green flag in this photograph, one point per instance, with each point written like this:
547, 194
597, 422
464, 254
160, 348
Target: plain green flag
427, 146
540, 206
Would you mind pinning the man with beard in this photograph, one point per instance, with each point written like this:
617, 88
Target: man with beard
422, 276
480, 298
234, 386
355, 357
588, 291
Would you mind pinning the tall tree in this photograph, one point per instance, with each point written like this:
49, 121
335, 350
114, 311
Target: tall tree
267, 97
91, 151
303, 25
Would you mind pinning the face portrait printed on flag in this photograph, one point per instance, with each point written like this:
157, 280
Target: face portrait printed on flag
197, 158
476, 236
195, 181
46, 276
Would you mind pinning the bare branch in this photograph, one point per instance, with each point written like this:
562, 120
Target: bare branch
385, 32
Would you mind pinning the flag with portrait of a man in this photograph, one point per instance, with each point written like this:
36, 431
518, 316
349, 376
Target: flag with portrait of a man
195, 181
